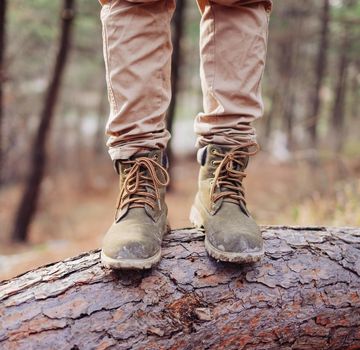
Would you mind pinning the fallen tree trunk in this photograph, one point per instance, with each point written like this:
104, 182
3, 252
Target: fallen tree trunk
304, 294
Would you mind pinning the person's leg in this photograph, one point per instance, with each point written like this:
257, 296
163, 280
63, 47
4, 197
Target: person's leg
233, 43
137, 53
233, 49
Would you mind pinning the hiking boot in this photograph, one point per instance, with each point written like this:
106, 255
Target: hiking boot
134, 239
231, 234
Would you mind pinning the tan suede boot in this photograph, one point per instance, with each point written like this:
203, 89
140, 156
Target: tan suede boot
134, 239
220, 208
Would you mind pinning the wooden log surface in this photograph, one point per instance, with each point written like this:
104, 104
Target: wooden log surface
304, 294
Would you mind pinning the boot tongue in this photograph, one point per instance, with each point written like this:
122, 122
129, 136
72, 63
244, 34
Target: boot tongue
239, 165
236, 165
203, 152
156, 154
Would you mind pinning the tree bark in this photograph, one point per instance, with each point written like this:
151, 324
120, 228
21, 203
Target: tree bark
28, 203
3, 6
304, 294
320, 69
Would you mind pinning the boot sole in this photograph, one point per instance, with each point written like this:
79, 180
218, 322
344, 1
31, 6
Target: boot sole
130, 264
220, 255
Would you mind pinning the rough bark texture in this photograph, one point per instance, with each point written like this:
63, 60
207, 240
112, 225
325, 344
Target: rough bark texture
304, 294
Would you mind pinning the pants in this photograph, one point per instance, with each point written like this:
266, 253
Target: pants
137, 52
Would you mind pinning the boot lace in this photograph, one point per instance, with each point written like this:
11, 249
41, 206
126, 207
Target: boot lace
226, 176
134, 191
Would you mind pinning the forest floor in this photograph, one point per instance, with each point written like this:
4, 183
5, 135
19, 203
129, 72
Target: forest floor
76, 209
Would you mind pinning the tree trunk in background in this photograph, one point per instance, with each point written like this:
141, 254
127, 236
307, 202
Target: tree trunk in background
289, 116
178, 22
292, 69
100, 127
320, 69
29, 200
304, 294
272, 112
287, 64
338, 111
355, 90
3, 5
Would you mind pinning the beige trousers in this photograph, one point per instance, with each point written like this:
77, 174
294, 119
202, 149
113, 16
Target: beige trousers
137, 53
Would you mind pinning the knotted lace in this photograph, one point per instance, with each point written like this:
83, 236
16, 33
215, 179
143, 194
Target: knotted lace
230, 173
141, 184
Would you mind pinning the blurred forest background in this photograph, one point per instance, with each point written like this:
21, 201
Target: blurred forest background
53, 96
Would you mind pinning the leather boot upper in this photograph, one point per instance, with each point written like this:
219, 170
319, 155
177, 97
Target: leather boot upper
141, 213
220, 200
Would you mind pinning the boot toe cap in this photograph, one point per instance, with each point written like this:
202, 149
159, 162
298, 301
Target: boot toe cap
236, 238
132, 250
130, 244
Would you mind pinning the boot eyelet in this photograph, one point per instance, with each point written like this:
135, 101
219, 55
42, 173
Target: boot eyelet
155, 157
213, 163
213, 151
